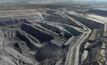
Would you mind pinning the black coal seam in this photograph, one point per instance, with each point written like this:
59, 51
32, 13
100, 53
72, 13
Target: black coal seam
53, 28
17, 47
23, 38
42, 37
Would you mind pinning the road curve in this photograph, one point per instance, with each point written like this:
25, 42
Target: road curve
73, 52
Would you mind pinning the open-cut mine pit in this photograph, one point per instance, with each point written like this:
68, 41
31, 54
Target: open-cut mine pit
23, 42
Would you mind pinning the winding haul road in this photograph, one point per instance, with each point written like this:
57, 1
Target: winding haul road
74, 49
